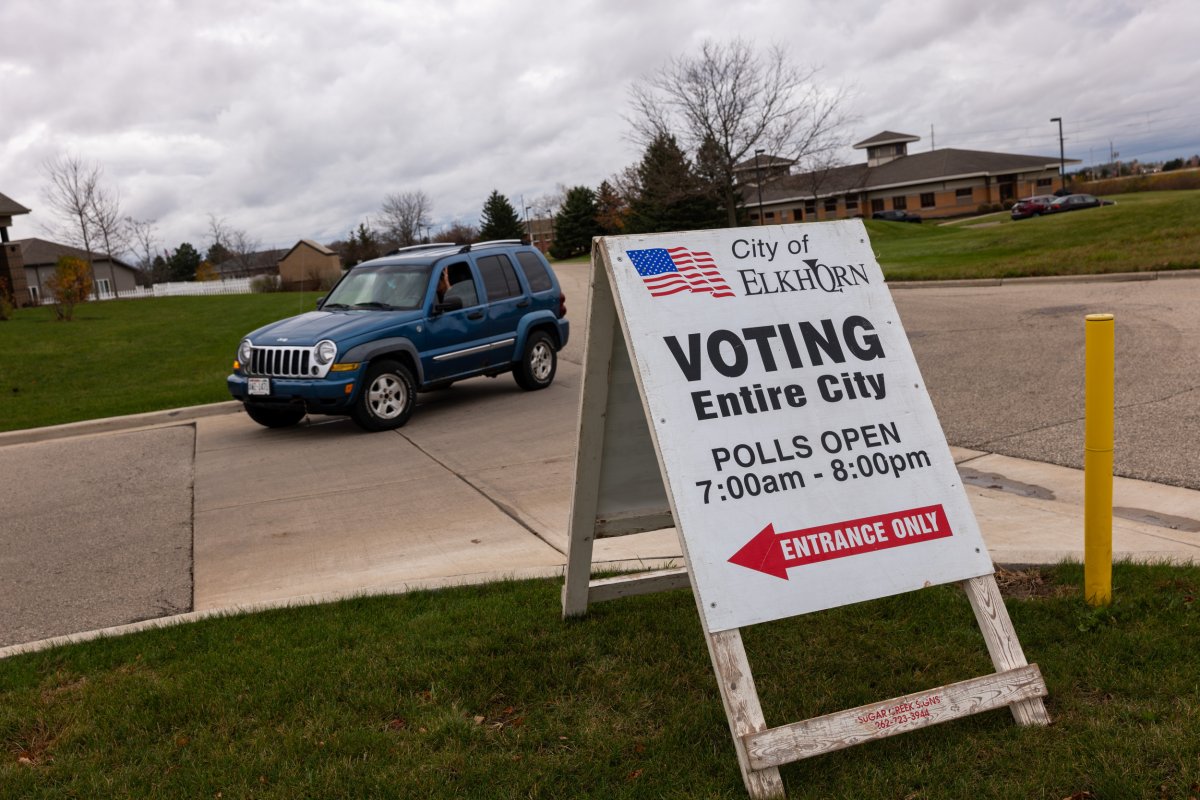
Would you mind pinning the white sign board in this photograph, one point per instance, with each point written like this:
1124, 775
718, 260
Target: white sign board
803, 458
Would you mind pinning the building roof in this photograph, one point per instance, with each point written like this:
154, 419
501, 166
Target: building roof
764, 162
886, 137
10, 207
40, 253
934, 165
320, 248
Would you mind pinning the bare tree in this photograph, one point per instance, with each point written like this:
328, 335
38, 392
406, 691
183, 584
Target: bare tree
738, 100
143, 241
105, 216
70, 193
234, 244
403, 216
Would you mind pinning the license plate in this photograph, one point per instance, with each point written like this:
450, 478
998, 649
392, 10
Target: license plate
258, 386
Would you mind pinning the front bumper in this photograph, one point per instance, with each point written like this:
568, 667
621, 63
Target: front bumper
328, 395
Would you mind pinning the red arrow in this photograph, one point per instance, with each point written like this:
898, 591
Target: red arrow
775, 553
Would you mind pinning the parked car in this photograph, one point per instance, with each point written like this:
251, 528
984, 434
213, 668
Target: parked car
1074, 202
415, 320
896, 216
1032, 206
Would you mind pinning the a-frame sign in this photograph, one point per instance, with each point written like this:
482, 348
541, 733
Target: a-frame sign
755, 388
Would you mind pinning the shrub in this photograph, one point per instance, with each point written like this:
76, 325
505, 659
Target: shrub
71, 284
264, 284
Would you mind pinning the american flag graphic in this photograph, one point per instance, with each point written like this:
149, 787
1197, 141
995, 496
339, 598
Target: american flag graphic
676, 269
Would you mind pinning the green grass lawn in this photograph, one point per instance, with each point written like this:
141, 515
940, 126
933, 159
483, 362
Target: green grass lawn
1145, 231
483, 692
127, 356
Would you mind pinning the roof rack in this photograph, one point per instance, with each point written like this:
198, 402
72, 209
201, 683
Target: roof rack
466, 248
412, 248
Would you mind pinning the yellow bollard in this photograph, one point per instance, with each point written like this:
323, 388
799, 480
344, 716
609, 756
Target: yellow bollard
1100, 358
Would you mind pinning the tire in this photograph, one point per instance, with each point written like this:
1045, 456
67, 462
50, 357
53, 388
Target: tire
538, 363
386, 397
283, 417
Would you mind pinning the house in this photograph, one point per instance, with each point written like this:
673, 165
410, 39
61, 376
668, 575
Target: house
250, 264
40, 257
937, 183
309, 265
541, 233
12, 268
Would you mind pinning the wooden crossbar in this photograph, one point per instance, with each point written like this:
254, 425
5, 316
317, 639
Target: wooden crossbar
813, 737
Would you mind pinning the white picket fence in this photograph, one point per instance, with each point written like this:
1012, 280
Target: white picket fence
176, 289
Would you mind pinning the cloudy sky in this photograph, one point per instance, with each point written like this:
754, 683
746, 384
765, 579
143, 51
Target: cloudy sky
295, 119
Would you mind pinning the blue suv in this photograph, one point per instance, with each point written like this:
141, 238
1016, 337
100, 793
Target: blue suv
415, 320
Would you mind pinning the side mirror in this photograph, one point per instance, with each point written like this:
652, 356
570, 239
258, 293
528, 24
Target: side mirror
320, 302
449, 304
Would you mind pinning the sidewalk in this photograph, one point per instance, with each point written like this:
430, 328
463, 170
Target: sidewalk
320, 532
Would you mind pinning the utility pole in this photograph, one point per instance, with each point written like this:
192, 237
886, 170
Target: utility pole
758, 180
1062, 159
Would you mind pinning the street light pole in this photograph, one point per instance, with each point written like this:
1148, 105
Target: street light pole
758, 180
1062, 159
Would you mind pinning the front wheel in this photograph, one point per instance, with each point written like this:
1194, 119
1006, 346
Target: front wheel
538, 363
386, 398
284, 417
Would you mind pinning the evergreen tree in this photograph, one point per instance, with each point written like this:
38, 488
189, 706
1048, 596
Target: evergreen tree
499, 219
575, 224
611, 209
183, 263
669, 196
217, 254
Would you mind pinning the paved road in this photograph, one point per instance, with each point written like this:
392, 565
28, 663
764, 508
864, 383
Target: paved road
97, 529
1004, 366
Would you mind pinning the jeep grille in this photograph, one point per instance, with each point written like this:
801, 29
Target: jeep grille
285, 362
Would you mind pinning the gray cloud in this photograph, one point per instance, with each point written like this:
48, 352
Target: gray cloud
294, 119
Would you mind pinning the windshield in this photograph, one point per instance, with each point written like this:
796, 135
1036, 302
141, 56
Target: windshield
384, 287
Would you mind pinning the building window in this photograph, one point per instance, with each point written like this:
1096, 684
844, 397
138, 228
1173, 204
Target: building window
851, 202
900, 202
798, 214
810, 208
927, 200
33, 295
964, 196
103, 287
1047, 182
831, 204
769, 215
754, 216
877, 204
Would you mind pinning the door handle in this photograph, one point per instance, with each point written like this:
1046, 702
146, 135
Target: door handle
475, 315
523, 303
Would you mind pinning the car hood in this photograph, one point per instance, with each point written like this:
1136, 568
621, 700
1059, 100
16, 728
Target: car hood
314, 326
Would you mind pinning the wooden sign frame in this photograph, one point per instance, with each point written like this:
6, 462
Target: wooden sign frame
619, 490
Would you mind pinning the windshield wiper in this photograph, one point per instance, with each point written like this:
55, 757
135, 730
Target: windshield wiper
374, 304
334, 305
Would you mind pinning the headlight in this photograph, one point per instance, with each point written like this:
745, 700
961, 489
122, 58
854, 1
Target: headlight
326, 352
245, 351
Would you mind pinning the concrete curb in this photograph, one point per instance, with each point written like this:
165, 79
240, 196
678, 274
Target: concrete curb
174, 416
1106, 277
426, 584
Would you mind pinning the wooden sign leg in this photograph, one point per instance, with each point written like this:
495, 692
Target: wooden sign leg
581, 534
742, 709
1002, 643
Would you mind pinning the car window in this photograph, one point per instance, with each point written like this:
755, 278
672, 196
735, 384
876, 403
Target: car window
535, 272
499, 278
462, 284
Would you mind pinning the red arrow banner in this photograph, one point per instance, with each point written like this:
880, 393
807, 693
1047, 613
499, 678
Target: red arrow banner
776, 553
